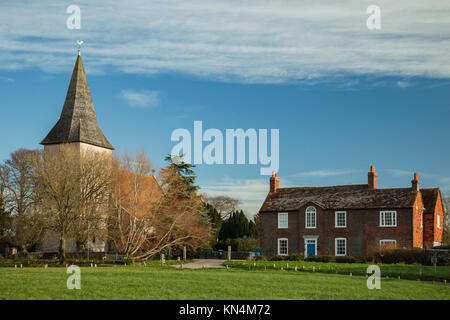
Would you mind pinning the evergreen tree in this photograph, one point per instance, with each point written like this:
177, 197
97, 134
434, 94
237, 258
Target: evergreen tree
185, 171
214, 219
237, 226
214, 216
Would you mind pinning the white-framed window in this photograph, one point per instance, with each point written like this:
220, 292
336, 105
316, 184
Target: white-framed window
340, 247
438, 221
388, 244
282, 246
310, 217
388, 218
340, 219
283, 220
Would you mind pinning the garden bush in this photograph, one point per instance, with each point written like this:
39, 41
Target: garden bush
321, 258
408, 256
277, 258
296, 257
345, 259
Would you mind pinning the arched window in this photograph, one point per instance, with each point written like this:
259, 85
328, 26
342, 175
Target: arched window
310, 217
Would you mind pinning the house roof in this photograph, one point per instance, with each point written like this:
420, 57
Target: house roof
429, 197
78, 122
339, 197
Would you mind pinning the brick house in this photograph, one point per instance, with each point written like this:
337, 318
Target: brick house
349, 220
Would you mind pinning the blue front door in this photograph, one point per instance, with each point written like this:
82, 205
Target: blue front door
310, 249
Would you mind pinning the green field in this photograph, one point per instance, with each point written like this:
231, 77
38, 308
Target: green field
405, 271
155, 282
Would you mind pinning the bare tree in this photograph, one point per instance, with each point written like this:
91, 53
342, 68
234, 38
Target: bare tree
224, 205
148, 217
133, 193
446, 222
71, 188
177, 220
257, 219
17, 187
3, 181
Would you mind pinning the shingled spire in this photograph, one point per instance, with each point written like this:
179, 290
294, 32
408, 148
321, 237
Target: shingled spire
78, 122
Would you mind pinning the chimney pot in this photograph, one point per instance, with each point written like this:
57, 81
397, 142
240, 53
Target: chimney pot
415, 182
274, 182
372, 178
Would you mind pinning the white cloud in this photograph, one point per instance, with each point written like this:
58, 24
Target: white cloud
251, 192
404, 84
324, 173
258, 41
7, 79
143, 99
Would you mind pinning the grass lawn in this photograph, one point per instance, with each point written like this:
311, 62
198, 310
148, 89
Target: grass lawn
405, 271
156, 282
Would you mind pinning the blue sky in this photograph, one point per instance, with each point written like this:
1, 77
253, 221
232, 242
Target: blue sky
343, 97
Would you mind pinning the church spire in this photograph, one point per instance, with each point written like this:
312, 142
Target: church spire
78, 122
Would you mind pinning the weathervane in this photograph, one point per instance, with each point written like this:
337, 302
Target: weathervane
79, 42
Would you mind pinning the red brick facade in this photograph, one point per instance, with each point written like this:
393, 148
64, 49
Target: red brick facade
432, 232
363, 233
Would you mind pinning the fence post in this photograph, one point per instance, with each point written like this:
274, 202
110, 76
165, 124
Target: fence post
229, 253
163, 260
184, 253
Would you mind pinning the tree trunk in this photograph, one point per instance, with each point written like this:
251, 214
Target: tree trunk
62, 250
78, 243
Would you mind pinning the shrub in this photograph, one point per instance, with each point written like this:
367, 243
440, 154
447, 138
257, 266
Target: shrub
345, 259
321, 258
128, 261
277, 258
247, 243
223, 245
442, 247
260, 258
408, 256
296, 257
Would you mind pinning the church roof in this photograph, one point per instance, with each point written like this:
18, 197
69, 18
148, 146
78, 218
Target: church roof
78, 122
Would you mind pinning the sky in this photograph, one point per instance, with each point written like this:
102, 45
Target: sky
343, 97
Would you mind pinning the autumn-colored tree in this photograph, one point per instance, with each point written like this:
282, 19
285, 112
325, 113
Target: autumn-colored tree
133, 195
148, 216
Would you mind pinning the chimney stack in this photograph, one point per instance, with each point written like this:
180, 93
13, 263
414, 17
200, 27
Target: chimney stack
415, 182
274, 182
372, 175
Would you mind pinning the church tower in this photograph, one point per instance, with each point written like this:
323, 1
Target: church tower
77, 124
